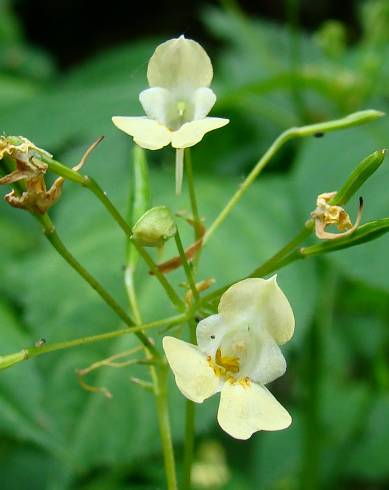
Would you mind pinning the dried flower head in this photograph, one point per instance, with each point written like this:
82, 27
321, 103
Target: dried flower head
327, 214
31, 170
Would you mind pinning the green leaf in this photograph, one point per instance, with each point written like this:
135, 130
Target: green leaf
22, 411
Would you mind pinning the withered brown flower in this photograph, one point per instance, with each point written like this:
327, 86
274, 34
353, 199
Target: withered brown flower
30, 169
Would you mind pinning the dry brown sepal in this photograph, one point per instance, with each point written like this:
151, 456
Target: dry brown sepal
200, 287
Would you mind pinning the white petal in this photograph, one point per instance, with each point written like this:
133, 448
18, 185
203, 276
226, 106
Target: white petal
147, 133
179, 63
194, 376
244, 410
270, 364
259, 303
192, 132
210, 332
203, 100
159, 104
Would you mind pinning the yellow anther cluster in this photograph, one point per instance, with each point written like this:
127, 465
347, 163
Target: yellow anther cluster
224, 365
229, 363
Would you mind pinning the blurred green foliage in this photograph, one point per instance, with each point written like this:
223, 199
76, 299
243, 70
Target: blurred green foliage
55, 435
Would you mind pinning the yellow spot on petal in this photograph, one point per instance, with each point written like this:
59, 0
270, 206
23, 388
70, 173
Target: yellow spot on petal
245, 382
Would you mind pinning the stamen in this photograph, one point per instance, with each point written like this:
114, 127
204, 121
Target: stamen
229, 363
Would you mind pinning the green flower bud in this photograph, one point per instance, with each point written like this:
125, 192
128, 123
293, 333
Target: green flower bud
154, 227
359, 175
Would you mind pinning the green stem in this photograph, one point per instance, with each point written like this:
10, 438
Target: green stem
190, 415
354, 119
131, 293
314, 371
283, 257
101, 195
94, 187
187, 268
192, 194
139, 202
174, 298
274, 263
160, 379
56, 242
31, 352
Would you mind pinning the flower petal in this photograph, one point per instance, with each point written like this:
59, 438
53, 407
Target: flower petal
270, 363
203, 100
159, 104
179, 63
209, 333
147, 133
247, 408
192, 132
194, 376
259, 303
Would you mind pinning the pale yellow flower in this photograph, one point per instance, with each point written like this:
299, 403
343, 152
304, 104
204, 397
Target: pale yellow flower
238, 354
177, 102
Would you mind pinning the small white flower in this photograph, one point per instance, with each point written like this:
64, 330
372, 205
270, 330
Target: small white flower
177, 102
237, 354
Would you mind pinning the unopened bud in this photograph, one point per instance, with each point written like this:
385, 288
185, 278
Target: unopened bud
154, 227
358, 177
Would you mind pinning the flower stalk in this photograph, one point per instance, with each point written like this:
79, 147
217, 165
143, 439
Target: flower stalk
160, 378
190, 427
355, 119
94, 187
192, 195
56, 242
31, 352
187, 268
